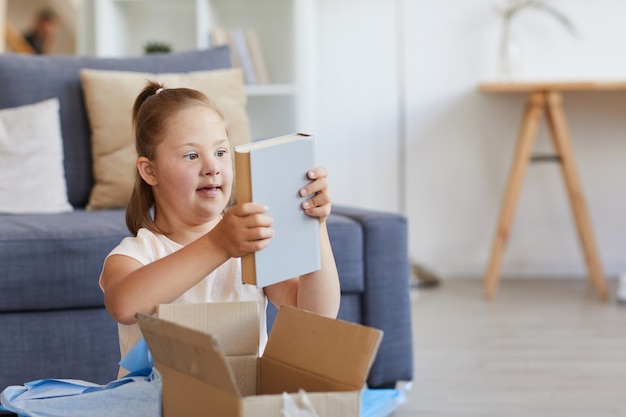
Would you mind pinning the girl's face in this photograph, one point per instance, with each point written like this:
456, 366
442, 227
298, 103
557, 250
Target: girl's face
193, 170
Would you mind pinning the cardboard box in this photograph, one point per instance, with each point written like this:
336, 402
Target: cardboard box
210, 365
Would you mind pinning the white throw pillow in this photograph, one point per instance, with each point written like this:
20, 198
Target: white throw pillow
32, 177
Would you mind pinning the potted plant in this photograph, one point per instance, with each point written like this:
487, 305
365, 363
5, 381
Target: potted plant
157, 47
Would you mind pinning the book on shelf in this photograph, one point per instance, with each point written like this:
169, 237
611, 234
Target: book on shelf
221, 37
272, 172
258, 56
246, 52
240, 45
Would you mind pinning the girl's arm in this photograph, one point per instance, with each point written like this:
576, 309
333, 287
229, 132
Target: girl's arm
317, 291
130, 287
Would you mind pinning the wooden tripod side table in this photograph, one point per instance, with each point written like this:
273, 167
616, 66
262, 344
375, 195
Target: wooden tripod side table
545, 98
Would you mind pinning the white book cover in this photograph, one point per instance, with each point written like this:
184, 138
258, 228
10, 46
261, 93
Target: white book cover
272, 172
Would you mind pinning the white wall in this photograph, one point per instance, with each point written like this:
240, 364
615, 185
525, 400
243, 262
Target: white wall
357, 101
460, 142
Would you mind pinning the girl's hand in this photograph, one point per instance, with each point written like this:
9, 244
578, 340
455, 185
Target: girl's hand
244, 229
319, 204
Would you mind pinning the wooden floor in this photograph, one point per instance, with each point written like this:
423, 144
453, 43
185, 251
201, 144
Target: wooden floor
540, 348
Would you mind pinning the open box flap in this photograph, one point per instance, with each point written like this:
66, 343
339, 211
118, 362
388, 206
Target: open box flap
336, 350
235, 326
188, 351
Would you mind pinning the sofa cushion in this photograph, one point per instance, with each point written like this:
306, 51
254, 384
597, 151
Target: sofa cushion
346, 239
31, 159
387, 272
76, 344
26, 79
109, 97
53, 261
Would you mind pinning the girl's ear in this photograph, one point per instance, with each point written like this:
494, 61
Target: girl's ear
145, 168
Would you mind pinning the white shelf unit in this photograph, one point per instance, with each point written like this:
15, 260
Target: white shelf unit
123, 27
285, 27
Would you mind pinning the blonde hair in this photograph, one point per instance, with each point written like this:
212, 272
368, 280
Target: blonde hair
153, 110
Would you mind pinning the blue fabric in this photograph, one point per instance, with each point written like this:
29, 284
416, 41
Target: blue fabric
27, 79
137, 396
138, 360
382, 402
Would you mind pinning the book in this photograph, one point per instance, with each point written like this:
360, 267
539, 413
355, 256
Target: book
246, 52
272, 172
221, 36
240, 45
258, 56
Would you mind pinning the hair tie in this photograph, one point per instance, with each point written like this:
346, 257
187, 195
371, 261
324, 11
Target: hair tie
158, 91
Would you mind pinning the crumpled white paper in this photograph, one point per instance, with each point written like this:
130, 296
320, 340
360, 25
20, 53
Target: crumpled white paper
299, 407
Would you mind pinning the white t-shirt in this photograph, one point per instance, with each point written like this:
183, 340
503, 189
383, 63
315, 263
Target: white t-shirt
221, 285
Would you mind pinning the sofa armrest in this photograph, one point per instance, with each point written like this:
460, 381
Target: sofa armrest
386, 300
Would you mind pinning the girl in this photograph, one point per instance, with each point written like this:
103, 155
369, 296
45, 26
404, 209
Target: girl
188, 250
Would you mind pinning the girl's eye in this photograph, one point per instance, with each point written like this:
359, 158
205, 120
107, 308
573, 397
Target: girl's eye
191, 156
220, 152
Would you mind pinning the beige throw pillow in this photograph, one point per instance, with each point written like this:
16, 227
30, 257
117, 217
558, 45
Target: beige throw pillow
109, 98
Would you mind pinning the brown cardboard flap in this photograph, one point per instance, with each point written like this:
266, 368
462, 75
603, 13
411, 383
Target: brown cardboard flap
337, 350
234, 325
275, 377
187, 351
186, 396
245, 371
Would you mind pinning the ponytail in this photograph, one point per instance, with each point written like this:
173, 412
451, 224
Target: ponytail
141, 201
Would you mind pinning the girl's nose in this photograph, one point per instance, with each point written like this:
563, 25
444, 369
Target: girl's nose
210, 167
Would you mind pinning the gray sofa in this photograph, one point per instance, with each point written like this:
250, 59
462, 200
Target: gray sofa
52, 319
